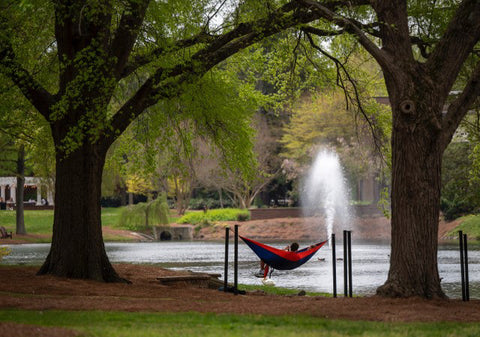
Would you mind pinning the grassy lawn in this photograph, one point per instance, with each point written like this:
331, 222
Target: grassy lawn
278, 290
41, 222
100, 323
470, 225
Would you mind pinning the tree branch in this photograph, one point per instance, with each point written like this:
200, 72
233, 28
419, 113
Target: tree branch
144, 59
38, 96
457, 43
166, 82
215, 42
460, 106
126, 34
377, 139
349, 26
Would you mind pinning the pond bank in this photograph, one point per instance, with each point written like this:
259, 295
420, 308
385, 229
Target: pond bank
279, 229
312, 229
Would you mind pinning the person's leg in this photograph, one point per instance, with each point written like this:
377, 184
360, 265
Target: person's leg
265, 273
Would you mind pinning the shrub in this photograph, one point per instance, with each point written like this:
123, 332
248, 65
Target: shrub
243, 217
455, 208
200, 203
4, 251
224, 214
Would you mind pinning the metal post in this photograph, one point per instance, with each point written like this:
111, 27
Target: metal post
235, 275
349, 239
467, 287
345, 268
462, 270
225, 276
334, 266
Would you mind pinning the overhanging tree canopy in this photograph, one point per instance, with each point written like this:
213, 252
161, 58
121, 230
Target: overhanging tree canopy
99, 44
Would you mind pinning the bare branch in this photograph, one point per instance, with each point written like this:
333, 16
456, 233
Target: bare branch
341, 69
349, 26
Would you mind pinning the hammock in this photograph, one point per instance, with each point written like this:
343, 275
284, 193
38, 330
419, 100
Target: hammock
281, 259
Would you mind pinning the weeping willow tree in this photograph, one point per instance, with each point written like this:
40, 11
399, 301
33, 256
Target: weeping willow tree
145, 214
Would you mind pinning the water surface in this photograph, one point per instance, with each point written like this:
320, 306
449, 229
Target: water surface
370, 263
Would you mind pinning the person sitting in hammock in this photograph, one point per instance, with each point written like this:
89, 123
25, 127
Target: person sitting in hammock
264, 268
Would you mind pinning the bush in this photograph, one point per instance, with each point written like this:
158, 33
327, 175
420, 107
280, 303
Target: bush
243, 217
453, 209
224, 214
200, 203
4, 251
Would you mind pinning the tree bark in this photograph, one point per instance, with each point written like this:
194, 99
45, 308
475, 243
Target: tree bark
19, 209
77, 249
416, 186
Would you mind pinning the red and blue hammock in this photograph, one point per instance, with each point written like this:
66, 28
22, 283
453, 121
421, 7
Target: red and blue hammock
281, 259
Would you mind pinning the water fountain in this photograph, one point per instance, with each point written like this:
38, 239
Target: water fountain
325, 193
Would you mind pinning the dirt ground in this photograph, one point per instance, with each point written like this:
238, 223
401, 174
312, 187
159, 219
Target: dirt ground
21, 288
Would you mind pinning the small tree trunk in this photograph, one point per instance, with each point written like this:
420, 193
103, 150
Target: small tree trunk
77, 249
220, 194
20, 219
416, 186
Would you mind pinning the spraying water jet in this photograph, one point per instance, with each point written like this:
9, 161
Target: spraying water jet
325, 192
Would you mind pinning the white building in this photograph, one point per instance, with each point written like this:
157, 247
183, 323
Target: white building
8, 187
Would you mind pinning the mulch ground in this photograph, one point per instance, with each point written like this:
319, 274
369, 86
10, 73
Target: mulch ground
20, 288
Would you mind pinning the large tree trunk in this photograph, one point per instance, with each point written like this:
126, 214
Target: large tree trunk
415, 200
77, 249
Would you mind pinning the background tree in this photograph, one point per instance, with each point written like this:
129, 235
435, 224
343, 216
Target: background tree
244, 186
20, 147
322, 120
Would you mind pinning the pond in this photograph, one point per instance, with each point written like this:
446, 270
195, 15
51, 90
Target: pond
370, 263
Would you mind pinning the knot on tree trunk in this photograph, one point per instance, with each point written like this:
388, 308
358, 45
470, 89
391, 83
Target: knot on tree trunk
407, 107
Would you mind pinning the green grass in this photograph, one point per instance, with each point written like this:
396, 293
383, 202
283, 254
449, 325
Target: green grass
278, 290
41, 222
36, 222
470, 225
111, 216
116, 324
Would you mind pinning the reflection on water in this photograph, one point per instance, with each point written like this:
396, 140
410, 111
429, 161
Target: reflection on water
370, 264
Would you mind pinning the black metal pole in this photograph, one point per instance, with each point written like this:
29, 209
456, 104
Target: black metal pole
345, 266
349, 239
467, 286
235, 275
334, 266
462, 270
225, 276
